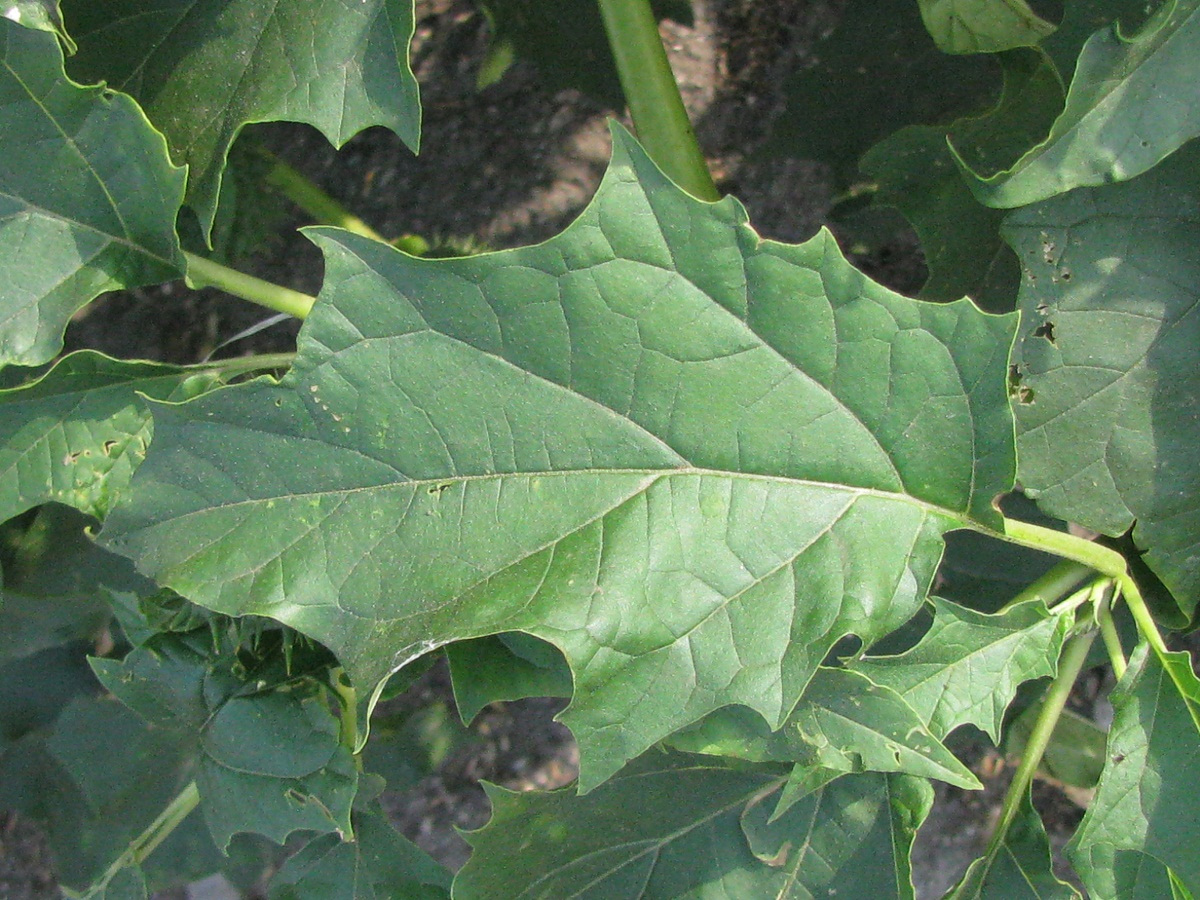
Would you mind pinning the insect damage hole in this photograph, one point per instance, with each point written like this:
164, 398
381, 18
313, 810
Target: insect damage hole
1045, 330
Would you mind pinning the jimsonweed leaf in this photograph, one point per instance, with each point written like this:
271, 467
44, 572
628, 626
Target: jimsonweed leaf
1140, 832
968, 666
268, 761
43, 15
715, 456
983, 26
76, 434
202, 69
1133, 101
88, 196
1106, 417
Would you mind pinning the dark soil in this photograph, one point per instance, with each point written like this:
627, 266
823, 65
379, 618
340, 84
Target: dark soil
505, 166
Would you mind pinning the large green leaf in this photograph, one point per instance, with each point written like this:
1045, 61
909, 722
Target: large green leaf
1108, 431
1021, 869
1133, 101
851, 99
378, 865
982, 26
88, 197
968, 666
690, 459
268, 761
43, 15
75, 435
204, 68
1142, 824
843, 723
702, 829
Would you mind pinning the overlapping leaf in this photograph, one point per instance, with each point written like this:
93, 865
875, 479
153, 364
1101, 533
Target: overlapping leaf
204, 68
690, 459
268, 761
983, 26
1108, 430
969, 665
702, 828
44, 15
1132, 102
88, 196
75, 435
1141, 828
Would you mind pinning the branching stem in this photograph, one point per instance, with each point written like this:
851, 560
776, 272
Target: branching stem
655, 104
304, 192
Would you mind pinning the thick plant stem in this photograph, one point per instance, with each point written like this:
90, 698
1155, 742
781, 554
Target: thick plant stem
1060, 581
156, 832
1112, 640
206, 273
1069, 666
655, 105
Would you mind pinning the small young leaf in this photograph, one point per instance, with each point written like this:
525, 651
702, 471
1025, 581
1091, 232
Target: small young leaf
1133, 101
983, 26
203, 69
968, 666
88, 197
1141, 831
1108, 345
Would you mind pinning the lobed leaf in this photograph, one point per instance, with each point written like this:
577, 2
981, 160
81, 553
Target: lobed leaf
268, 761
702, 829
1132, 102
76, 434
968, 666
1140, 832
983, 26
1107, 431
88, 196
690, 459
202, 69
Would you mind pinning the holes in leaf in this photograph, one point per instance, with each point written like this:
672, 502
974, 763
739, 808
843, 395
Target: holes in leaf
1045, 330
108, 447
1020, 393
437, 489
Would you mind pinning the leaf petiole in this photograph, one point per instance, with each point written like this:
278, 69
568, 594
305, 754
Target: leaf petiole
207, 273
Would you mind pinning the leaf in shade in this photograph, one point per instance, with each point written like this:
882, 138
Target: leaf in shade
702, 828
983, 26
505, 667
1021, 869
1141, 829
1108, 430
843, 723
1083, 18
76, 434
1133, 101
378, 865
269, 761
202, 69
713, 457
88, 197
850, 100
968, 666
916, 173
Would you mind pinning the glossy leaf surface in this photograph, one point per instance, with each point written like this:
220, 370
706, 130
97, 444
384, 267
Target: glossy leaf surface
204, 68
88, 196
695, 435
1108, 432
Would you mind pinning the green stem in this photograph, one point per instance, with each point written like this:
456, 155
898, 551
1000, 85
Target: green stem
206, 273
1112, 640
1060, 581
655, 104
298, 188
155, 833
1073, 658
236, 365
348, 708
